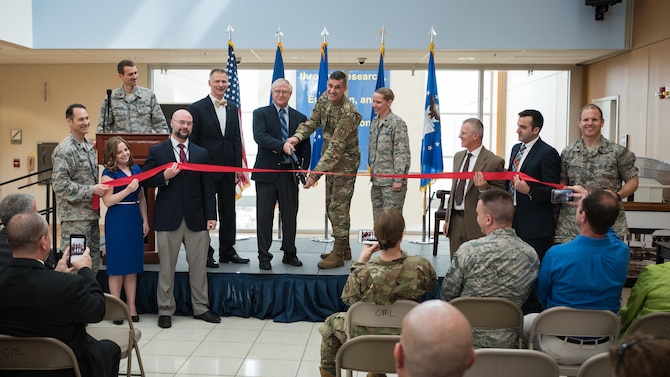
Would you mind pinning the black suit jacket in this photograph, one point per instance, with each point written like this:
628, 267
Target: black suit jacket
267, 134
534, 218
223, 150
188, 196
5, 251
36, 301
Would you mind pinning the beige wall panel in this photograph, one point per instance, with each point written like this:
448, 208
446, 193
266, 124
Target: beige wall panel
650, 22
23, 106
658, 110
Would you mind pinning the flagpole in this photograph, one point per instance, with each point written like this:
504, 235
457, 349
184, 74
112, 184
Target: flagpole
431, 144
278, 72
232, 95
323, 69
425, 235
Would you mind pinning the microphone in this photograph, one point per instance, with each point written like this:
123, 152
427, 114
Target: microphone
301, 175
108, 110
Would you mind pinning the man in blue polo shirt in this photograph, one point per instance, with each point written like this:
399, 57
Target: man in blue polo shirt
586, 273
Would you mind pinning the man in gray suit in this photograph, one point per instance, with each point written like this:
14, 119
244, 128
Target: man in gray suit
461, 222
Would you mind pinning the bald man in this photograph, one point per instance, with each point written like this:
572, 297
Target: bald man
184, 213
436, 341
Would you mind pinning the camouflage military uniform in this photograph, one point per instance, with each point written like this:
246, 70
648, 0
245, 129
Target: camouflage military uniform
388, 154
75, 172
499, 264
605, 166
137, 113
381, 282
339, 154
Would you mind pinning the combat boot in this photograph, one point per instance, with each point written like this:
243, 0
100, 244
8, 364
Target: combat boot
326, 373
335, 258
347, 251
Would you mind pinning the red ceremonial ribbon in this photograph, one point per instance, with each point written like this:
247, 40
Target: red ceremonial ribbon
489, 176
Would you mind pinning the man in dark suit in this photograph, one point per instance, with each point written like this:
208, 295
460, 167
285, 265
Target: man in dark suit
461, 222
184, 213
270, 133
534, 215
36, 301
216, 127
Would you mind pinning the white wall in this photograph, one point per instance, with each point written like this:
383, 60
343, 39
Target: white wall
480, 24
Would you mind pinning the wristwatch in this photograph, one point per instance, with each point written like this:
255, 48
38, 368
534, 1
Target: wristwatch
617, 195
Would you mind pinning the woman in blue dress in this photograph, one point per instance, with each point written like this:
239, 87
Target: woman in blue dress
126, 223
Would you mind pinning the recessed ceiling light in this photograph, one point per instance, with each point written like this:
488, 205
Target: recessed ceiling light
466, 58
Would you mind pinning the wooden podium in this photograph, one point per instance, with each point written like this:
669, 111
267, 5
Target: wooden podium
139, 147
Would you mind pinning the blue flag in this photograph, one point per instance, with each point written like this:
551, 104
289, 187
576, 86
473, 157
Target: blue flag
233, 96
431, 144
317, 139
278, 72
381, 82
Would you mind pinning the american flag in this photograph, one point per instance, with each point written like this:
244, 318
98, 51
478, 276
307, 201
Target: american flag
233, 96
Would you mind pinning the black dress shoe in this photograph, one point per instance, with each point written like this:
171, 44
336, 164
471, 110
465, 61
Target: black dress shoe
135, 318
118, 322
211, 263
265, 265
291, 259
233, 259
208, 317
164, 321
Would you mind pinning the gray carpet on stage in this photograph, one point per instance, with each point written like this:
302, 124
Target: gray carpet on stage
308, 252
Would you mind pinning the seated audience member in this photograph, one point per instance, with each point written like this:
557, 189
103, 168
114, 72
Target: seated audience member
391, 276
585, 273
499, 264
650, 294
9, 206
436, 341
640, 356
35, 301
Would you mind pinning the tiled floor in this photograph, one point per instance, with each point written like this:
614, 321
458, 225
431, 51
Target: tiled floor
235, 347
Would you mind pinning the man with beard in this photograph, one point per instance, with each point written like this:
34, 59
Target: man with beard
184, 213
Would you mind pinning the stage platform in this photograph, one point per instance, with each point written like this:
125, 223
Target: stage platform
284, 294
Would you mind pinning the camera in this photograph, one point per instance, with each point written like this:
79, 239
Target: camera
361, 61
77, 247
561, 196
367, 236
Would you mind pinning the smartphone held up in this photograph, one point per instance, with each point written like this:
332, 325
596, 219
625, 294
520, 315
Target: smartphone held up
562, 196
77, 247
367, 236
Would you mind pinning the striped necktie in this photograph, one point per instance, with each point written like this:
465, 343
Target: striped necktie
182, 153
460, 186
515, 167
284, 125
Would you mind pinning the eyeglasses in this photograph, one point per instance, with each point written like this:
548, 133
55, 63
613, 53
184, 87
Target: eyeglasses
184, 123
621, 351
282, 92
